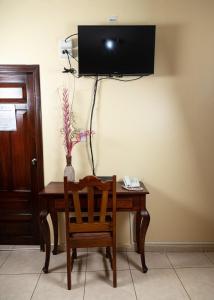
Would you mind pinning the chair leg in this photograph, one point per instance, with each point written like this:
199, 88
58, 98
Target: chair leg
74, 253
114, 266
68, 268
108, 252
108, 255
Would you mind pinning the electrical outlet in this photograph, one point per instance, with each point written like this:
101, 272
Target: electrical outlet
65, 45
113, 18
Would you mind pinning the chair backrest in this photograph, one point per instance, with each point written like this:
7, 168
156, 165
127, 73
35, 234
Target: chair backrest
99, 195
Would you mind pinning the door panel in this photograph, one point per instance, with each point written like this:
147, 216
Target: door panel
20, 153
5, 181
20, 181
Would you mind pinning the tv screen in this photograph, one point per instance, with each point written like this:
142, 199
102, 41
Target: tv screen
116, 50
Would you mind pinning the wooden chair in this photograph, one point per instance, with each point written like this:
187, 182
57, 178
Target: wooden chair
92, 225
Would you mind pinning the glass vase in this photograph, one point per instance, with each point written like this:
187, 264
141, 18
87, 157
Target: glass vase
69, 169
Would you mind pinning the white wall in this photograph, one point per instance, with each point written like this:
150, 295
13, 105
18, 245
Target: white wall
159, 128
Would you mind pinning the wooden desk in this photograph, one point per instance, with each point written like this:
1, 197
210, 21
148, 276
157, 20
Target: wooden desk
52, 201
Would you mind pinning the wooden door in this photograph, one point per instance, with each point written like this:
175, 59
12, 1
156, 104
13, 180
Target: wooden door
21, 157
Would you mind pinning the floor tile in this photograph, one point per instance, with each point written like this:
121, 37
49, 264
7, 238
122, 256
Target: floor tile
58, 262
160, 284
95, 249
98, 261
99, 286
189, 259
195, 270
18, 287
26, 247
23, 261
3, 256
153, 260
211, 256
54, 286
122, 261
6, 247
199, 282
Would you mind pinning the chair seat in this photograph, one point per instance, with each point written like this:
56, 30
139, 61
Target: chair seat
85, 239
91, 235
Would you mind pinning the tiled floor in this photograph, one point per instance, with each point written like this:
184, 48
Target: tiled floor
171, 276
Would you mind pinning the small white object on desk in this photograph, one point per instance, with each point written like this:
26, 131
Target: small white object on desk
129, 188
131, 182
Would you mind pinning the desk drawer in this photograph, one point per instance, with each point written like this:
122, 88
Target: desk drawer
126, 203
123, 204
59, 204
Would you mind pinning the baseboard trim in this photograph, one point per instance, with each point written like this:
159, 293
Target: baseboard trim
165, 247
171, 247
179, 246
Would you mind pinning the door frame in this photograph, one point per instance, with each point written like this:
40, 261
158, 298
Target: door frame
38, 173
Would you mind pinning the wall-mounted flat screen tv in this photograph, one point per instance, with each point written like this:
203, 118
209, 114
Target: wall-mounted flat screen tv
116, 50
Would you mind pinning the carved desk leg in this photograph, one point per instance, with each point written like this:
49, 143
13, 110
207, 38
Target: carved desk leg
54, 220
142, 223
45, 230
138, 222
42, 243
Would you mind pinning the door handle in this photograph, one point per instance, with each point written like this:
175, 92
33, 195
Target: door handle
34, 162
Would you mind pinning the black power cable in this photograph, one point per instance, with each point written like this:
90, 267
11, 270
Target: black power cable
92, 111
91, 120
123, 80
70, 70
70, 36
67, 53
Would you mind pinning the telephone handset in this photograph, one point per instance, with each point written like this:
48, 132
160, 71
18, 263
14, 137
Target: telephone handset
131, 183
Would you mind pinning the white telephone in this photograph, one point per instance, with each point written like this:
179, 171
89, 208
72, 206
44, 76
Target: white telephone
131, 183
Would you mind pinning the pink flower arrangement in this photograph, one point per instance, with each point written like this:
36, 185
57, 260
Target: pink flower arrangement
71, 134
